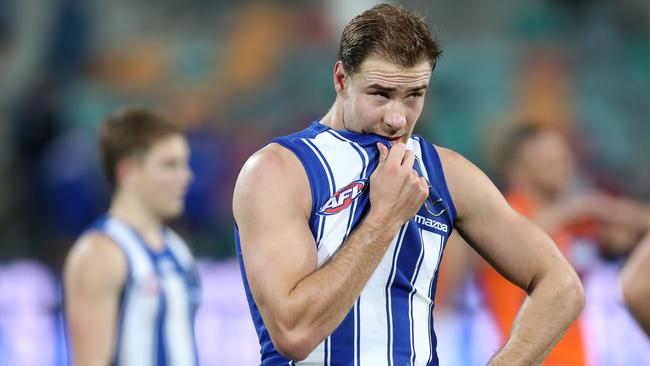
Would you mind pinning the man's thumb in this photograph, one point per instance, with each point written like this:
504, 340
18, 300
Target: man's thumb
383, 152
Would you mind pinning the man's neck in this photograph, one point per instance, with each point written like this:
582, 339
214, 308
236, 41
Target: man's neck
334, 117
128, 209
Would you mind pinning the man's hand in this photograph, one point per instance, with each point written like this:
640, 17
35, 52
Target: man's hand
396, 190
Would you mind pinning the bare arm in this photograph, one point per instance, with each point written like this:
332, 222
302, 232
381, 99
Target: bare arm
523, 254
596, 206
300, 303
635, 283
94, 275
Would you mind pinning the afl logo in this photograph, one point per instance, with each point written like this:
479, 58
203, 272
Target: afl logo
343, 198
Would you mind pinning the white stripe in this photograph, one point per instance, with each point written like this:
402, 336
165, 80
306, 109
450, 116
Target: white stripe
374, 321
137, 339
363, 151
416, 271
432, 244
345, 163
179, 249
329, 350
337, 154
363, 174
124, 237
178, 327
375, 337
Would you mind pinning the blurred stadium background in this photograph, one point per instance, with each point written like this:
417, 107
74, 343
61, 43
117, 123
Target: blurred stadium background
237, 74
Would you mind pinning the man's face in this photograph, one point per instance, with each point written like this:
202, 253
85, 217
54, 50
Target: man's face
383, 98
548, 162
162, 175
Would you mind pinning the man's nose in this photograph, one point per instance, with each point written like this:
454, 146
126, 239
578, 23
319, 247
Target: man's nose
395, 116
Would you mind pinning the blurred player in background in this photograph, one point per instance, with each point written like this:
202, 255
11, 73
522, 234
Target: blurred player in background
131, 289
341, 226
588, 226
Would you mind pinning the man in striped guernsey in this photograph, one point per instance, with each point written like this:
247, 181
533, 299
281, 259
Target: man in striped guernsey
131, 288
340, 228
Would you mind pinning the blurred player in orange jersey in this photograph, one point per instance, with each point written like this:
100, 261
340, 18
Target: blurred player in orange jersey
539, 169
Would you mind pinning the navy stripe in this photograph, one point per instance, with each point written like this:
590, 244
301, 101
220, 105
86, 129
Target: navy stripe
389, 283
406, 264
355, 311
161, 352
357, 349
342, 340
321, 227
437, 176
413, 290
362, 175
330, 176
162, 347
332, 186
190, 279
327, 346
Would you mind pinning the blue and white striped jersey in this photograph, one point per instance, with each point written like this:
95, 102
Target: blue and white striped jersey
159, 299
391, 321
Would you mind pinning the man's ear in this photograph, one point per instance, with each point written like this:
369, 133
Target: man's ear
123, 170
341, 79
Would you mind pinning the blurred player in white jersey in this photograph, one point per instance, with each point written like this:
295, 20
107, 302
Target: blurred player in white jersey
131, 289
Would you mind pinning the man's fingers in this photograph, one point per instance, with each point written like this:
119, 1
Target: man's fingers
383, 153
396, 153
408, 159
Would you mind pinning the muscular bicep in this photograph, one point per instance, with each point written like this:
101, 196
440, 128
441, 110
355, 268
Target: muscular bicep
95, 272
515, 247
271, 204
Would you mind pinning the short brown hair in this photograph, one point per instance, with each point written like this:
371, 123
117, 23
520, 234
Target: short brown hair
131, 132
388, 31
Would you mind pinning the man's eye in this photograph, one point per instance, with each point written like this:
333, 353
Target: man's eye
380, 94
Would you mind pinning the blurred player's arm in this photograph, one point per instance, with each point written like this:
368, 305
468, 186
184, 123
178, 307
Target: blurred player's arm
300, 303
94, 275
635, 283
605, 209
523, 254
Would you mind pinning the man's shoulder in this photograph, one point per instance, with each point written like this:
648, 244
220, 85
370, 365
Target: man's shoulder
94, 241
96, 257
272, 173
270, 162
